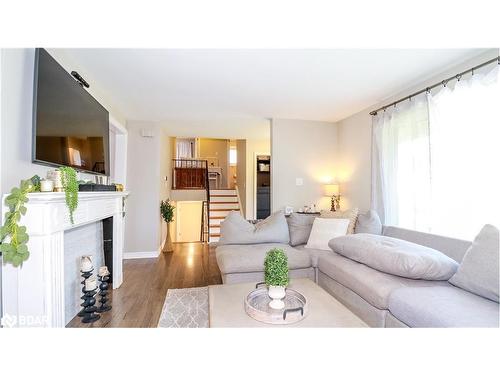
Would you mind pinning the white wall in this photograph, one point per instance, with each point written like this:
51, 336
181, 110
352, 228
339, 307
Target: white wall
301, 149
17, 103
142, 227
355, 139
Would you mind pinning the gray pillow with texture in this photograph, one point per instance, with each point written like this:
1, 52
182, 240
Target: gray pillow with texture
369, 222
235, 230
479, 271
300, 228
395, 256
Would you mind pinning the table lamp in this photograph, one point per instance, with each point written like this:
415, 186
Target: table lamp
332, 190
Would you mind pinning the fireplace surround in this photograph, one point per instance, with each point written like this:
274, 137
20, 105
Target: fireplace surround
33, 293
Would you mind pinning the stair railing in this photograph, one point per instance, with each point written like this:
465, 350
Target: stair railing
207, 189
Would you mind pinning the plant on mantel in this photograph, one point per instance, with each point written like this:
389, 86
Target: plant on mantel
13, 237
70, 184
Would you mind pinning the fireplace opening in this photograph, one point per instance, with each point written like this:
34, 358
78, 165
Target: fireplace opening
107, 238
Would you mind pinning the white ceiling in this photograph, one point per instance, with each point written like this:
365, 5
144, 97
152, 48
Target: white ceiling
324, 85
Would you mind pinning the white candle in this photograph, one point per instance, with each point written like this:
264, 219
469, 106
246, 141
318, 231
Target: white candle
103, 271
86, 263
46, 185
91, 283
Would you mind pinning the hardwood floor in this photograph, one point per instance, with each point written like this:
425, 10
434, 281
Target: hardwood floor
139, 300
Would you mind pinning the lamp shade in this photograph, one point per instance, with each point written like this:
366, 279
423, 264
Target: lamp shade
331, 189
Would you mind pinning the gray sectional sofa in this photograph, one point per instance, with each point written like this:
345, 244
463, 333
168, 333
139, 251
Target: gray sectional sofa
380, 299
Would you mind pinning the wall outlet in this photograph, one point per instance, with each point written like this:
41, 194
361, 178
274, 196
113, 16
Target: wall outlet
299, 181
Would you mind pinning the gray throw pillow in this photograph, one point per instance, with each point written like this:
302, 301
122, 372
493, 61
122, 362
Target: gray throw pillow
235, 230
369, 222
479, 270
300, 228
395, 256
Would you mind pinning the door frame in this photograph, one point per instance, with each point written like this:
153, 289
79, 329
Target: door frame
254, 163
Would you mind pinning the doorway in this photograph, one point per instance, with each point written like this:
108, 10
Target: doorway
188, 221
263, 186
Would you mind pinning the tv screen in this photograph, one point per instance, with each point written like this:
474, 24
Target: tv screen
70, 127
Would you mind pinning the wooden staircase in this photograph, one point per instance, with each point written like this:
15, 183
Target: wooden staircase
222, 201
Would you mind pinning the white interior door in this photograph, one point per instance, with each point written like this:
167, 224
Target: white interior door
188, 215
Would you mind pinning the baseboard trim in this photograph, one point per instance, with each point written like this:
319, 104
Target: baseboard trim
141, 255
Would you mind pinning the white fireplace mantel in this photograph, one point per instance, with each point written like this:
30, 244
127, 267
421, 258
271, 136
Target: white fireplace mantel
33, 293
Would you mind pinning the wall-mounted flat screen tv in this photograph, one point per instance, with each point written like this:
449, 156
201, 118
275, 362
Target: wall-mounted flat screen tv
70, 127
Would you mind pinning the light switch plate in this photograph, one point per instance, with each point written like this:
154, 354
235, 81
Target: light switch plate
299, 181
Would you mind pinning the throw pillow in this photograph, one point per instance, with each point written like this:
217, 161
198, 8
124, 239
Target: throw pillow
368, 222
235, 230
351, 214
323, 230
300, 228
479, 270
395, 256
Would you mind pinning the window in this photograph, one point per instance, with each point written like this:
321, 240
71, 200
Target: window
233, 156
436, 159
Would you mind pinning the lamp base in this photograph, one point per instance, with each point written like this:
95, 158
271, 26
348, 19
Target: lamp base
335, 206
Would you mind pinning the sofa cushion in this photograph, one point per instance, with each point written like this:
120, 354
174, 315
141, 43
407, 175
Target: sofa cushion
371, 285
368, 222
236, 230
299, 227
351, 214
442, 306
250, 258
324, 230
314, 254
479, 271
396, 257
452, 247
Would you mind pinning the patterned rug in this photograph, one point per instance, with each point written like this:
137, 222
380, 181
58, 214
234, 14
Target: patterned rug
185, 308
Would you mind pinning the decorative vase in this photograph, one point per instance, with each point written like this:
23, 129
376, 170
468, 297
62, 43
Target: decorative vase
277, 293
168, 241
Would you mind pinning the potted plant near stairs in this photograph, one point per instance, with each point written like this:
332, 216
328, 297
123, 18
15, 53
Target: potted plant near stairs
167, 212
276, 277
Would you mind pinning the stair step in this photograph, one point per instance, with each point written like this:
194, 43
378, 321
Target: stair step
224, 206
214, 231
214, 226
216, 220
215, 235
223, 209
222, 192
224, 198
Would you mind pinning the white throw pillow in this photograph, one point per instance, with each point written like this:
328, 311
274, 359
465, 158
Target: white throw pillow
324, 230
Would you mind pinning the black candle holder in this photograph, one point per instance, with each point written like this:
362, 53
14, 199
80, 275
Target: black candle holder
103, 286
85, 276
89, 310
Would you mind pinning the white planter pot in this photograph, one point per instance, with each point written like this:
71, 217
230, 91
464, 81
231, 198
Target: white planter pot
277, 293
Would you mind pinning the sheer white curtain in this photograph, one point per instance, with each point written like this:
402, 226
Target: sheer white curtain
401, 164
436, 159
465, 154
185, 148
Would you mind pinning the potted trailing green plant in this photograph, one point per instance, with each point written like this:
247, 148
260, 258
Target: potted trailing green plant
70, 185
13, 237
167, 212
276, 277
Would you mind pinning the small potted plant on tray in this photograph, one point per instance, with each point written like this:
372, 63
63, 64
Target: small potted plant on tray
276, 277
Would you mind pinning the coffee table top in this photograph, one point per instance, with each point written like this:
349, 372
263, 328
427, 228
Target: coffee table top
227, 307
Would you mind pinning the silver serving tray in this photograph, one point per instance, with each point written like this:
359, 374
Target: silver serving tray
257, 306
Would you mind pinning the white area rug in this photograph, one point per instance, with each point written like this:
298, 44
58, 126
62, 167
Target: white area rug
185, 308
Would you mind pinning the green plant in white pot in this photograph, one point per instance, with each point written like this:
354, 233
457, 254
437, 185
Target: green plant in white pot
276, 277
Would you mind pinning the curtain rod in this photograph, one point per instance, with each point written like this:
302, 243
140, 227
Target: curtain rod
444, 82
